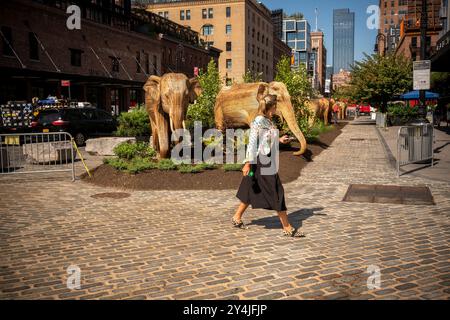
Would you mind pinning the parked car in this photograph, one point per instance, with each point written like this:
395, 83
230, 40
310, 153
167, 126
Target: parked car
81, 123
364, 108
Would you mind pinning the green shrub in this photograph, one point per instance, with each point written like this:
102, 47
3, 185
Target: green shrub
117, 163
232, 167
134, 123
405, 113
166, 164
140, 164
187, 168
129, 151
207, 166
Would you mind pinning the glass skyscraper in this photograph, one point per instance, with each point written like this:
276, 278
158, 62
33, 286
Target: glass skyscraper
297, 35
343, 39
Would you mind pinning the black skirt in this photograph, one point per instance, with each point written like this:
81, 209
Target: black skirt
262, 191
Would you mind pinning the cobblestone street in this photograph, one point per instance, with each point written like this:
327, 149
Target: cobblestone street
181, 245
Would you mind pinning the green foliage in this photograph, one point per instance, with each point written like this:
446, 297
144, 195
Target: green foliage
377, 79
252, 77
295, 15
140, 164
296, 81
117, 163
402, 112
166, 164
206, 166
134, 123
232, 167
440, 83
203, 109
187, 168
129, 151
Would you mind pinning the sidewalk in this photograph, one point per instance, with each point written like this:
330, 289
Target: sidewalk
441, 169
181, 245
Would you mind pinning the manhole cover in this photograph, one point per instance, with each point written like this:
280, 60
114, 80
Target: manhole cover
111, 195
389, 194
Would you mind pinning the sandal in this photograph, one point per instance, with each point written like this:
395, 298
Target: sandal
238, 224
295, 233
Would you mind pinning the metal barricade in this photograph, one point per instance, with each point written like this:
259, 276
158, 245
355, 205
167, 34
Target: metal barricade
37, 153
415, 144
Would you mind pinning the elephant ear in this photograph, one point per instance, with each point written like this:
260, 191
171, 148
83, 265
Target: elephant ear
194, 89
152, 90
263, 90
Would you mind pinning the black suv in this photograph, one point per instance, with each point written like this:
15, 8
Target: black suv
81, 123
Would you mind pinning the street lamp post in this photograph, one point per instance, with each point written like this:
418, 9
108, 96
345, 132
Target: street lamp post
422, 112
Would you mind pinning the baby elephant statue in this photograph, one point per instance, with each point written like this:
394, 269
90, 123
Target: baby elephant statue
167, 99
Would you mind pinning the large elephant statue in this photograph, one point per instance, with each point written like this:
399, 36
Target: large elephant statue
320, 109
342, 110
237, 106
167, 99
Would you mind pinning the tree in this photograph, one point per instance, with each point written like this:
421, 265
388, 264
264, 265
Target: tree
203, 108
295, 15
377, 79
252, 77
296, 81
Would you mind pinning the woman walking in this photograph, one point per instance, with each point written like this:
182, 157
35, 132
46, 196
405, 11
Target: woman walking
263, 191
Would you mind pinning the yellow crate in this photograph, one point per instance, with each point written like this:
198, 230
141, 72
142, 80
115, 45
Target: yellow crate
12, 140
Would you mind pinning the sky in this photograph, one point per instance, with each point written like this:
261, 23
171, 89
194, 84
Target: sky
364, 37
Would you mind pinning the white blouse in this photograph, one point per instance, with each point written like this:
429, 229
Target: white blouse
262, 136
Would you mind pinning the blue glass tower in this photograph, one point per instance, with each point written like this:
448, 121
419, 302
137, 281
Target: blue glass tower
343, 39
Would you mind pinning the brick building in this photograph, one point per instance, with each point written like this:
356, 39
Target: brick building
319, 60
341, 79
107, 61
242, 29
391, 14
410, 43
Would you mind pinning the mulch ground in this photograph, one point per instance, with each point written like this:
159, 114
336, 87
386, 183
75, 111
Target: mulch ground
218, 179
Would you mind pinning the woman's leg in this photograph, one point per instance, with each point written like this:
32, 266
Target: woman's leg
240, 211
284, 220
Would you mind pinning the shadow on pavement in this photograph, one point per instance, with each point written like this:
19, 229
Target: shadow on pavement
296, 218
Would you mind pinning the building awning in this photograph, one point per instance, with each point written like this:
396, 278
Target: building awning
414, 95
440, 61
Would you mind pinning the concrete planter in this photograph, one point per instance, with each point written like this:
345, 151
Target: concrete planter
105, 146
53, 152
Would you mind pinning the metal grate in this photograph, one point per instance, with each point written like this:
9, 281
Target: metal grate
389, 194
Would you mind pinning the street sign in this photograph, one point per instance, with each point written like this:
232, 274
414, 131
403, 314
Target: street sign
65, 83
421, 74
327, 85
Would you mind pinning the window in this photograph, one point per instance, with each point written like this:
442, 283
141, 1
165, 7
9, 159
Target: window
75, 57
228, 46
34, 46
267, 70
147, 63
253, 32
207, 30
181, 14
155, 63
290, 25
257, 52
253, 49
204, 14
267, 55
210, 13
414, 42
161, 13
114, 64
228, 12
138, 62
267, 41
229, 63
301, 25
7, 32
188, 14
263, 38
257, 38
228, 29
166, 14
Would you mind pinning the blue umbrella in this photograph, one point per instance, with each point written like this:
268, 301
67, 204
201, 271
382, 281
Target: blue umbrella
414, 95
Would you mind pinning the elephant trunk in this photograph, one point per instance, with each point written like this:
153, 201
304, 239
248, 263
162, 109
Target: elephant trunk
293, 126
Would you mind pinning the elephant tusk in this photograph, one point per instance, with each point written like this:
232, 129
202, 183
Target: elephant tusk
184, 124
171, 125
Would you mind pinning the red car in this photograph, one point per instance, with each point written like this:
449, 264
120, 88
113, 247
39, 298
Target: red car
364, 108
